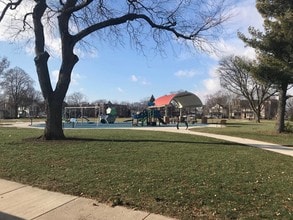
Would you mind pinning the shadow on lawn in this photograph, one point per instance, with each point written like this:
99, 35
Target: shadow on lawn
242, 124
67, 140
217, 142
76, 139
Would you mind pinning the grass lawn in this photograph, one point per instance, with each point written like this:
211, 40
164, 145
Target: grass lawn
176, 175
264, 131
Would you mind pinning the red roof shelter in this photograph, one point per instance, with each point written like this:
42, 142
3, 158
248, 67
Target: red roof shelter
182, 99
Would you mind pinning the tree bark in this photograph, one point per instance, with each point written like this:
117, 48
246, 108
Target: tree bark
54, 128
53, 98
281, 108
257, 116
15, 111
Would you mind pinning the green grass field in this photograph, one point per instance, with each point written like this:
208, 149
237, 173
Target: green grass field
178, 175
264, 131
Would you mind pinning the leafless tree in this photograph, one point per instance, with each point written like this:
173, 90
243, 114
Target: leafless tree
76, 98
196, 21
4, 64
236, 75
17, 86
220, 98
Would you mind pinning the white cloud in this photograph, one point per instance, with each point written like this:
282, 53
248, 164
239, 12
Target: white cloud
244, 14
139, 79
145, 82
185, 73
119, 89
75, 78
133, 78
212, 84
232, 47
209, 85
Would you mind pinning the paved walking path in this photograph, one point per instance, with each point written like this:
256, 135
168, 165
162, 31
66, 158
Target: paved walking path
249, 142
18, 201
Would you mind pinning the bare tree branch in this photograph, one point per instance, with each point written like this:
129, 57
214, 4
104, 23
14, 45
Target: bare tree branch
131, 17
236, 77
11, 6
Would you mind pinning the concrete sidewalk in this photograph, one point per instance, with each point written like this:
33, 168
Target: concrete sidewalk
245, 141
18, 202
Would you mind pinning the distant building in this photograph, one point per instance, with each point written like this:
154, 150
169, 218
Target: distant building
218, 111
240, 109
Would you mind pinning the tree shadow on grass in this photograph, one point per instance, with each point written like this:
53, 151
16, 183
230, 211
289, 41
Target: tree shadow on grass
242, 124
68, 140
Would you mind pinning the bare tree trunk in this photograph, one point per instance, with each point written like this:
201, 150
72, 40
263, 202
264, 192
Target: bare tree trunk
15, 110
257, 116
54, 128
281, 108
258, 112
54, 99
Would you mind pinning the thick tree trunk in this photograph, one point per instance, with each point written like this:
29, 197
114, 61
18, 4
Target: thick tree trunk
54, 98
54, 129
15, 111
257, 116
281, 108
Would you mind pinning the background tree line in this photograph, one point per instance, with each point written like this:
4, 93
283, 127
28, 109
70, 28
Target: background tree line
17, 89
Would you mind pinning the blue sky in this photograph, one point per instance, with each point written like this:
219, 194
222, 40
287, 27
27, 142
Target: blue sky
123, 74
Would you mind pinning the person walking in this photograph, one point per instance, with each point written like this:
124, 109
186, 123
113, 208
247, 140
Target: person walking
186, 124
183, 120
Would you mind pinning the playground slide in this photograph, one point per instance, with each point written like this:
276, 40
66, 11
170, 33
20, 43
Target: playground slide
84, 117
143, 116
140, 115
128, 120
107, 119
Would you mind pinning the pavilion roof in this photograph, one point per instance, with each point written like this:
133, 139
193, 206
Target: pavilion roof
183, 99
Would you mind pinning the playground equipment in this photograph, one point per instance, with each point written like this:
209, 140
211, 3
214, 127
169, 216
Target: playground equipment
148, 116
71, 114
110, 116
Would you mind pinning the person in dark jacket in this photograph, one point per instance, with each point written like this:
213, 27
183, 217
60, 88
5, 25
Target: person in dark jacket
183, 120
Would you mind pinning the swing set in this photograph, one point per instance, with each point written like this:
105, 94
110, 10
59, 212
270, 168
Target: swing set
72, 114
